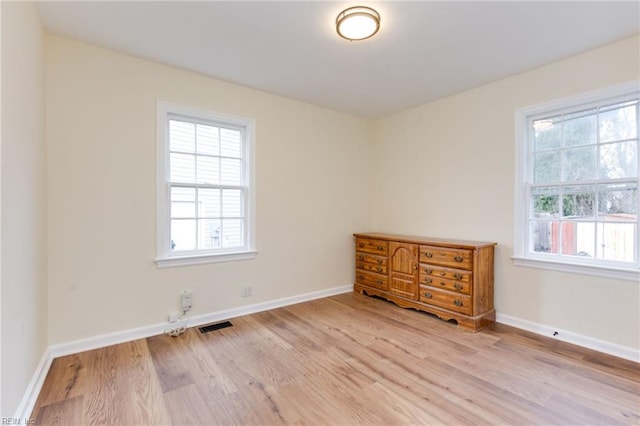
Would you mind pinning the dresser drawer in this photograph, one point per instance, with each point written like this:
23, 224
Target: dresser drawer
369, 258
452, 274
456, 258
447, 300
373, 267
369, 245
371, 279
445, 283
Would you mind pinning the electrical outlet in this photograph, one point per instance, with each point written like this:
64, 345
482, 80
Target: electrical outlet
173, 317
187, 300
247, 291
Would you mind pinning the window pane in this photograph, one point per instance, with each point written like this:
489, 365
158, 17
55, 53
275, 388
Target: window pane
578, 205
230, 143
546, 167
182, 136
580, 128
545, 202
209, 233
579, 164
208, 140
209, 203
183, 234
232, 233
619, 122
208, 170
544, 235
618, 202
183, 202
616, 241
230, 171
578, 238
231, 203
619, 160
547, 134
182, 168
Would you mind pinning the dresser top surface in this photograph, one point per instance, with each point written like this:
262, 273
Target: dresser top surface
426, 240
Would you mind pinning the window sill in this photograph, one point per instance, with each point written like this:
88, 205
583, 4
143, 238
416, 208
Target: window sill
629, 274
173, 261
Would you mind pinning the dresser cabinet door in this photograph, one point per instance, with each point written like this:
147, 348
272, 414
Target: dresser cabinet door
403, 269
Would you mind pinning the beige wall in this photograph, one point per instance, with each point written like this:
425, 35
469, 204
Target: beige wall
446, 169
24, 290
312, 175
443, 169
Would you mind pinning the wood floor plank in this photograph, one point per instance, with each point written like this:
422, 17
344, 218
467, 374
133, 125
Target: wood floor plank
172, 368
66, 377
143, 387
348, 359
68, 411
187, 406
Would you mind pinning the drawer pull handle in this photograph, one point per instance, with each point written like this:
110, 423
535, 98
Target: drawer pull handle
429, 255
443, 254
457, 302
360, 257
360, 265
442, 274
379, 262
428, 271
442, 283
380, 248
378, 282
457, 286
361, 277
428, 281
457, 275
458, 258
361, 245
379, 269
428, 295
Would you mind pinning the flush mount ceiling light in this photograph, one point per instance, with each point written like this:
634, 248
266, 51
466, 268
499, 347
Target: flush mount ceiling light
357, 23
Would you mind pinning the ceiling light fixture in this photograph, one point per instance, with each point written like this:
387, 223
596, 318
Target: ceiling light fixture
357, 23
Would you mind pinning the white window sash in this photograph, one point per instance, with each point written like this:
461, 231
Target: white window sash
165, 257
523, 254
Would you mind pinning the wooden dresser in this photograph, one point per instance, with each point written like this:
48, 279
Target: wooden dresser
449, 278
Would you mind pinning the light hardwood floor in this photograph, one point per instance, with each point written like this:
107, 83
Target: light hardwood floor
347, 359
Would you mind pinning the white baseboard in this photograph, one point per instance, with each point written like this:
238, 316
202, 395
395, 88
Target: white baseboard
33, 389
109, 339
30, 397
614, 349
265, 306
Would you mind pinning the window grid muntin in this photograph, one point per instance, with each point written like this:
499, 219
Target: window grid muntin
599, 107
596, 218
196, 186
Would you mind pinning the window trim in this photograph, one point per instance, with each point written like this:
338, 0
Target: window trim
521, 256
164, 256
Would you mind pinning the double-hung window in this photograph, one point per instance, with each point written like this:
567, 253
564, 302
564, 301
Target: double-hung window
205, 190
577, 190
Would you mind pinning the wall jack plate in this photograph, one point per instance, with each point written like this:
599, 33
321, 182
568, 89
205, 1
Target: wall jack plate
247, 291
186, 299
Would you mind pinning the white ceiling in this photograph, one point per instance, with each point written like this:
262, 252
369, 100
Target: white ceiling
424, 50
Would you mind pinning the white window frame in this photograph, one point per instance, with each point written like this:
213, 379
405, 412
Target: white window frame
164, 256
522, 256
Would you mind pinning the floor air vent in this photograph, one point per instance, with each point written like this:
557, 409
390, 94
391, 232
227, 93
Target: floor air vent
212, 327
